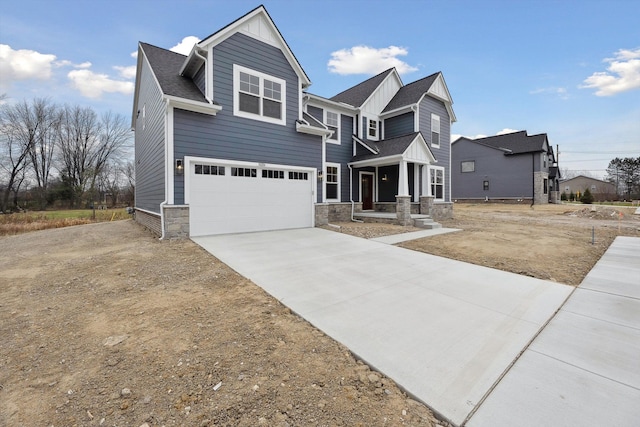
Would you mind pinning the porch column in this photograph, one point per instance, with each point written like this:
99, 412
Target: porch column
416, 182
403, 179
426, 188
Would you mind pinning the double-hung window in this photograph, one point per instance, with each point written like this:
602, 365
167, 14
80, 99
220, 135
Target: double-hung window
436, 178
332, 120
333, 182
373, 129
258, 96
435, 130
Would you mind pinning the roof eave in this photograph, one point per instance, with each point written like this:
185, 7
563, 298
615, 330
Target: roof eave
195, 106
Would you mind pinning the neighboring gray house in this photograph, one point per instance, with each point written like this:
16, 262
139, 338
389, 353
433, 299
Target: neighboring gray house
513, 167
600, 190
228, 139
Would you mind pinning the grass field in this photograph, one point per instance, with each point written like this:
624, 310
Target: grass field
17, 223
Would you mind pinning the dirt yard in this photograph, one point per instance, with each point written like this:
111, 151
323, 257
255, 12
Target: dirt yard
551, 242
103, 324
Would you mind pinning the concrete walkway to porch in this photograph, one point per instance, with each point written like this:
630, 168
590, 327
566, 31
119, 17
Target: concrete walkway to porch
413, 235
444, 330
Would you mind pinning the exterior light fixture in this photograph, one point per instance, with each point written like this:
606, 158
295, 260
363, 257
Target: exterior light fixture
179, 166
320, 176
385, 177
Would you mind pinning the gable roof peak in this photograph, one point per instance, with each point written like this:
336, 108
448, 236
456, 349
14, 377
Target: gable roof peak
358, 94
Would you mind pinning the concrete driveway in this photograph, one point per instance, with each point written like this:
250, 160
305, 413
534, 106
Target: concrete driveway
444, 330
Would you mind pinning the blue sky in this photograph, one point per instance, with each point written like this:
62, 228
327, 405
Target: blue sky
570, 69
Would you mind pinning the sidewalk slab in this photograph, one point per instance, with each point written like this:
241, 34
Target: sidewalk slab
444, 330
413, 235
584, 367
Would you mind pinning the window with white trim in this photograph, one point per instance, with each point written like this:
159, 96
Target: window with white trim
258, 96
436, 179
373, 129
332, 182
332, 120
435, 130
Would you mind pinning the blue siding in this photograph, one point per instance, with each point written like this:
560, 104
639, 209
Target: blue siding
149, 143
315, 112
508, 176
342, 154
427, 106
200, 79
236, 138
398, 125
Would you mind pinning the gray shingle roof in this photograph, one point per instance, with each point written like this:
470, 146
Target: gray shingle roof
313, 121
166, 65
411, 93
359, 93
387, 147
517, 142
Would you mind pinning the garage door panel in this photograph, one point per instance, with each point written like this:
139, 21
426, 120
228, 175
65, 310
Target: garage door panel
220, 204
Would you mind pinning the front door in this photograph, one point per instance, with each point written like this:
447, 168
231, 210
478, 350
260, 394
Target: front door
367, 192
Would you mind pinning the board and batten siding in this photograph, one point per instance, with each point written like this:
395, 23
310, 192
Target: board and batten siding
399, 125
508, 176
149, 143
442, 154
230, 137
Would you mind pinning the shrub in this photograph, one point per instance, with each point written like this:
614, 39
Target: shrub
587, 197
563, 196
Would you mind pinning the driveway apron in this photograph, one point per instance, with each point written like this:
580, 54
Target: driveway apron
444, 330
584, 368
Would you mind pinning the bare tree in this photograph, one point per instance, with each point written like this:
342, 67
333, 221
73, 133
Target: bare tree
41, 153
86, 144
18, 129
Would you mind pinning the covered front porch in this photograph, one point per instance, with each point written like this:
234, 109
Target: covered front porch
396, 180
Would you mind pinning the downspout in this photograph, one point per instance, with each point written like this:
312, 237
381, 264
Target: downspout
353, 204
195, 51
167, 170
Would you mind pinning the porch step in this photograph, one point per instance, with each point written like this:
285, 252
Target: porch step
426, 223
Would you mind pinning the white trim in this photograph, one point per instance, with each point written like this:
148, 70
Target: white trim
148, 212
320, 102
189, 105
237, 69
374, 190
375, 137
168, 155
326, 182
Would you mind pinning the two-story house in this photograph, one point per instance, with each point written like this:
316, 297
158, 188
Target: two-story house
229, 139
513, 167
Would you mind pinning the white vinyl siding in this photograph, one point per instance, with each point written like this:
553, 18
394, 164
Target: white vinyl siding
258, 96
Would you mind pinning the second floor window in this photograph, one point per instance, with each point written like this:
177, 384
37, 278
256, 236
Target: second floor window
435, 130
258, 96
332, 120
373, 129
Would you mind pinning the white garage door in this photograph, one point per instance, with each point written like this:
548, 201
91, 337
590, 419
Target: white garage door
226, 197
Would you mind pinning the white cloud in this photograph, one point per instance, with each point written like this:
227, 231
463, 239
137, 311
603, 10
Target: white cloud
126, 72
134, 54
185, 46
93, 85
65, 63
24, 64
368, 60
622, 75
560, 91
506, 131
